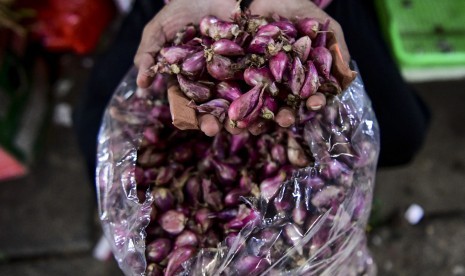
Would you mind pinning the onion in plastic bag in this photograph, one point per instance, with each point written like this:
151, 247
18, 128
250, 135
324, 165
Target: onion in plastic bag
321, 229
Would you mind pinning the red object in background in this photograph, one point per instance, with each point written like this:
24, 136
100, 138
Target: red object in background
10, 167
74, 25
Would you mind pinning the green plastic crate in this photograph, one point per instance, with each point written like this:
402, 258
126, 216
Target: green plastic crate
424, 33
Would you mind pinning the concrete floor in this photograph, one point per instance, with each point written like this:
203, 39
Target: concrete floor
49, 226
435, 181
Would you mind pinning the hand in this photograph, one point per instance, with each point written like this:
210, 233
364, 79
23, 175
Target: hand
179, 13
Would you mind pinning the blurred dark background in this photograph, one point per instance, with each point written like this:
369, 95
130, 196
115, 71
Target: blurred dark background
48, 217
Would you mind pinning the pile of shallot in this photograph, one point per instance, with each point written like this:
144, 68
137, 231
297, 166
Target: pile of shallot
249, 70
200, 185
207, 191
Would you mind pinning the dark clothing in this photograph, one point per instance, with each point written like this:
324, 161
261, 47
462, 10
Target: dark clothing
109, 69
402, 116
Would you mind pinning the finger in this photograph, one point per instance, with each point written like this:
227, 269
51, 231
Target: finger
316, 102
182, 116
143, 92
258, 127
209, 124
285, 117
145, 75
151, 42
231, 129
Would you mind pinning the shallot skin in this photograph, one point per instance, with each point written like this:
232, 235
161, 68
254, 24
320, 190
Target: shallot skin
228, 90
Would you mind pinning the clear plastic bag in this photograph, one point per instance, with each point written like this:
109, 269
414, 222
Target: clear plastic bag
320, 232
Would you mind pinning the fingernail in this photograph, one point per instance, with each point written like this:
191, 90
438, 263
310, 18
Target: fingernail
315, 107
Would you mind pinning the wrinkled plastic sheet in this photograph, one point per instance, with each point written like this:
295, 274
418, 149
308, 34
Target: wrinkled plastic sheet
336, 191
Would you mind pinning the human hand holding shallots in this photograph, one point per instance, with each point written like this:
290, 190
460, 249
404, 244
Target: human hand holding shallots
270, 57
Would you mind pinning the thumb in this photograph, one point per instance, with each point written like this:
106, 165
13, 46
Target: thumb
152, 40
